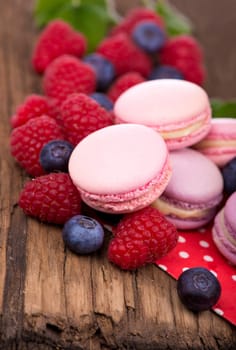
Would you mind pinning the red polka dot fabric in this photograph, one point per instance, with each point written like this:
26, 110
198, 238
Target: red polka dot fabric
196, 248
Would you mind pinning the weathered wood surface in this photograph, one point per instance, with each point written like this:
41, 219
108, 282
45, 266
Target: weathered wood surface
50, 298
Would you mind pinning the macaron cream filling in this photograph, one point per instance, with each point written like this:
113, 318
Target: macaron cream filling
183, 210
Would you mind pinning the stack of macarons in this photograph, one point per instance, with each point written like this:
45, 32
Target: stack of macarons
148, 156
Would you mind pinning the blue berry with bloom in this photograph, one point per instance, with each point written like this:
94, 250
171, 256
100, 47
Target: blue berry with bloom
165, 72
198, 289
54, 156
229, 176
149, 36
104, 69
83, 234
103, 100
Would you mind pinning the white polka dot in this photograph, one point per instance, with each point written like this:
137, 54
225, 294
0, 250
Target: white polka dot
214, 273
208, 258
185, 269
219, 311
184, 255
163, 267
204, 244
234, 277
181, 239
202, 230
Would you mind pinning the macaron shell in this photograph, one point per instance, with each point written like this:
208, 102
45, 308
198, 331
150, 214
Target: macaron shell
160, 103
219, 235
126, 164
178, 109
220, 143
130, 201
195, 179
188, 224
230, 214
117, 159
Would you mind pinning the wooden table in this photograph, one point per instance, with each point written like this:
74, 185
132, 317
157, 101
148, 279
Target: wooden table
52, 299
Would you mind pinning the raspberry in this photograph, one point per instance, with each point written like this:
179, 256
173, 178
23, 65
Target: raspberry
184, 53
66, 75
27, 140
123, 83
125, 55
136, 16
33, 106
81, 115
50, 198
57, 39
141, 237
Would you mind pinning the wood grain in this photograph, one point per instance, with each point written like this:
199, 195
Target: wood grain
51, 298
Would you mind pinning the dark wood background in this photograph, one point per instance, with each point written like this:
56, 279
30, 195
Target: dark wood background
52, 299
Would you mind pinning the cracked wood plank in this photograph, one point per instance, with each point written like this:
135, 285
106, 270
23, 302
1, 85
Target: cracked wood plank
51, 298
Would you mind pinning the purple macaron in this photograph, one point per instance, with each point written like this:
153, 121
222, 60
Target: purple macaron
194, 192
224, 230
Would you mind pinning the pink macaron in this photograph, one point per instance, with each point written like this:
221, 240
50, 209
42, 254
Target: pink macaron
224, 230
220, 143
178, 109
120, 168
195, 189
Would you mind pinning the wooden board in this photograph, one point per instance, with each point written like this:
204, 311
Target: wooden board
52, 299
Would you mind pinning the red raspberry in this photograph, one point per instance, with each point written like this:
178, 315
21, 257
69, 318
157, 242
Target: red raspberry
184, 53
27, 140
81, 115
136, 16
33, 106
123, 83
125, 55
141, 237
57, 39
66, 75
50, 198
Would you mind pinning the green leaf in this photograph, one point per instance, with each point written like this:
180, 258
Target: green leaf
176, 22
92, 19
45, 10
223, 109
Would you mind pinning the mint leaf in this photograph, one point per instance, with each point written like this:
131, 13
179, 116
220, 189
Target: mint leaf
91, 20
223, 109
45, 10
176, 22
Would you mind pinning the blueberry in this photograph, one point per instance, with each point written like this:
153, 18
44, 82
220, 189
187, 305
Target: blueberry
198, 289
105, 70
165, 72
149, 36
103, 100
82, 234
229, 176
54, 155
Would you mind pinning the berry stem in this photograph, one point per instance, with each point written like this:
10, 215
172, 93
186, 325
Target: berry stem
112, 11
76, 3
151, 4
